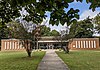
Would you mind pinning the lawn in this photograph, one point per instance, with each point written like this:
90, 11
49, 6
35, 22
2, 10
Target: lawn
81, 60
19, 60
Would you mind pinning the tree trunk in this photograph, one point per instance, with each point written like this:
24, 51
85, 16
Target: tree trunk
67, 49
28, 47
29, 53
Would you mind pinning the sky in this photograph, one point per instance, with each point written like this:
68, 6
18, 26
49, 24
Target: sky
84, 13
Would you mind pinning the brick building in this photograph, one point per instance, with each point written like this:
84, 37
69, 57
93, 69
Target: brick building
11, 44
84, 43
52, 43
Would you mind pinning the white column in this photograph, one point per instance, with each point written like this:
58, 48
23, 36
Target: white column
18, 45
81, 44
89, 45
84, 44
76, 45
5, 45
94, 44
10, 45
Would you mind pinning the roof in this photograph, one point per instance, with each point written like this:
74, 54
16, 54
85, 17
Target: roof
40, 41
51, 39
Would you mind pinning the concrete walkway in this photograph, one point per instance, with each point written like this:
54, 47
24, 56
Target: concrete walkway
51, 61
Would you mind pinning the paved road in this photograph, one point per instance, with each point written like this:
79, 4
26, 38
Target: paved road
51, 61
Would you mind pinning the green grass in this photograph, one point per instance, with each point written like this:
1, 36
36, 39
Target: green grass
81, 60
19, 60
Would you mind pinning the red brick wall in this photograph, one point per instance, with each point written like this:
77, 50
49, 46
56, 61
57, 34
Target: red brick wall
11, 45
84, 43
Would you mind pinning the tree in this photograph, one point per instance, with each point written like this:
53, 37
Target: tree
97, 22
55, 33
10, 9
56, 7
7, 13
82, 29
18, 31
45, 31
63, 37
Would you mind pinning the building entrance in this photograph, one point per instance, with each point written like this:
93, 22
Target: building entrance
46, 46
50, 46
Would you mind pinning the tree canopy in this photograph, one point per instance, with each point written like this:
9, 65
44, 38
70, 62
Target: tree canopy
46, 31
55, 33
82, 29
97, 22
17, 30
36, 9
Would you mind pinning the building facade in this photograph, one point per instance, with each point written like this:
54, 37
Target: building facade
11, 45
52, 42
84, 43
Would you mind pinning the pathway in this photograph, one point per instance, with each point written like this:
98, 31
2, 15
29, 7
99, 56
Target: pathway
51, 61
